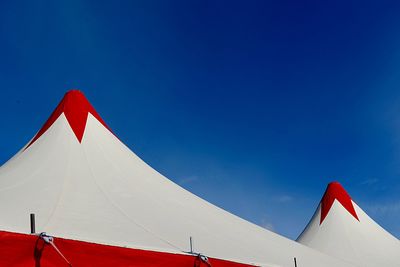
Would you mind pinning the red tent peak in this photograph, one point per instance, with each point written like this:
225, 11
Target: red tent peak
336, 191
75, 107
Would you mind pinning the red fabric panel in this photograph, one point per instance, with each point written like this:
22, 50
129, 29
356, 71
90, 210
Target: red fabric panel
336, 191
22, 250
75, 107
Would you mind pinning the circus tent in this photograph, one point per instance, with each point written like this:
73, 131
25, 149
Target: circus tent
96, 203
342, 229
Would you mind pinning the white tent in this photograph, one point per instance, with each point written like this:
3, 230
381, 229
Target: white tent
84, 184
342, 229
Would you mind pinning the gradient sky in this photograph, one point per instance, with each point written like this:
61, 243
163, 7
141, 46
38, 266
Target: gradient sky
253, 105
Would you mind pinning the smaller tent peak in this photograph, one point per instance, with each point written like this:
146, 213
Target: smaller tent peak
335, 188
74, 92
74, 99
75, 107
335, 191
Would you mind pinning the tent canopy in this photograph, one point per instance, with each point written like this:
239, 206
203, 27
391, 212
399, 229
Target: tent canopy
342, 229
84, 184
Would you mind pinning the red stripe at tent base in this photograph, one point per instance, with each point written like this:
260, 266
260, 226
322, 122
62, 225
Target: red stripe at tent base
23, 250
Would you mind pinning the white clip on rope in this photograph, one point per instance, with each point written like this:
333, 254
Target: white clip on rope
50, 240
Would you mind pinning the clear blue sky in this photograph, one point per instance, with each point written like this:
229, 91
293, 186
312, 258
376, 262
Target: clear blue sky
252, 105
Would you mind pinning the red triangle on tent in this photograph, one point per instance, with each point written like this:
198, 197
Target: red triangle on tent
336, 191
75, 107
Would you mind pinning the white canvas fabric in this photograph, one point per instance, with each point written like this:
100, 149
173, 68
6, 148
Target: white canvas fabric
360, 241
98, 190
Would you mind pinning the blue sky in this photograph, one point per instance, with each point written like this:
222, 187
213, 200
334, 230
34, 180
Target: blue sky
252, 105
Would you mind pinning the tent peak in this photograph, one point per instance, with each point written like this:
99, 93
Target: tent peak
75, 107
335, 191
74, 91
